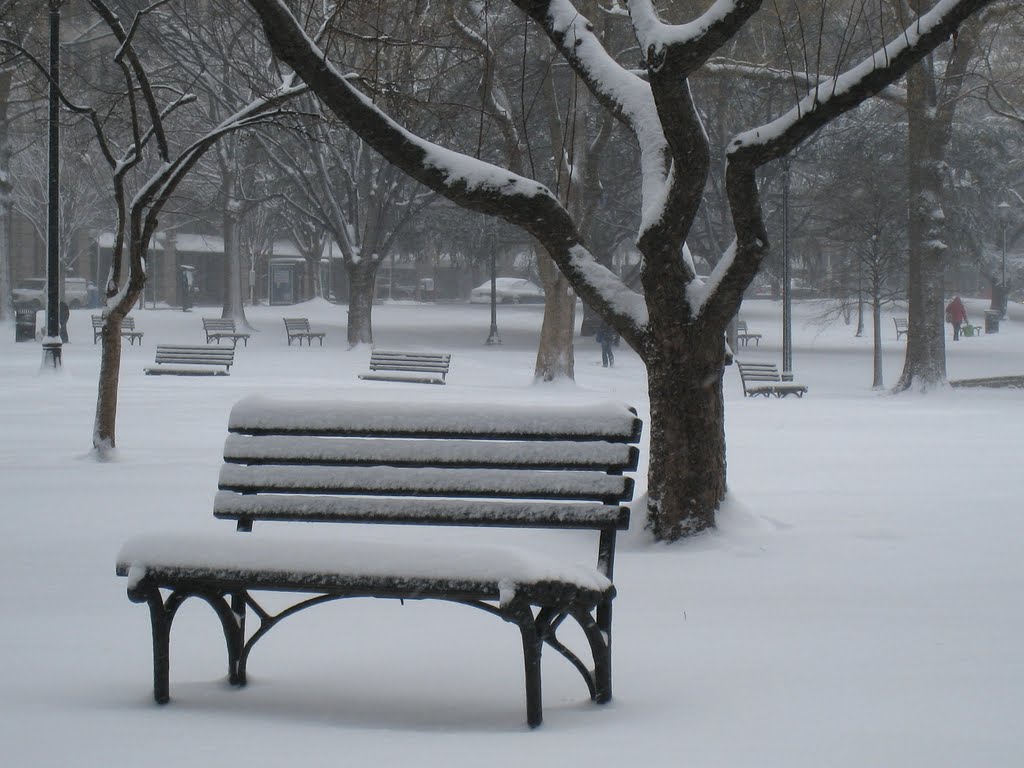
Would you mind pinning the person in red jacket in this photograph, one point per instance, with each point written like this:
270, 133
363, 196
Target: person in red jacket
956, 314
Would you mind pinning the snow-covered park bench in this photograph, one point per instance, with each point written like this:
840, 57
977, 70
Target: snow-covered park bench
408, 366
218, 328
127, 329
181, 360
901, 326
764, 379
298, 328
490, 466
744, 335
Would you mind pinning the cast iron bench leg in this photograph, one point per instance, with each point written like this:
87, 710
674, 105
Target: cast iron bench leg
521, 614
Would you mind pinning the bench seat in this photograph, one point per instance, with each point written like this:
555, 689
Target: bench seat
369, 568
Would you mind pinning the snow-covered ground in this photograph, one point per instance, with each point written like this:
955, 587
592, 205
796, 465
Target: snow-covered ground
859, 605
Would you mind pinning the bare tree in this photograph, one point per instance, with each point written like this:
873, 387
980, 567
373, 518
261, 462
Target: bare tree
678, 324
145, 169
80, 200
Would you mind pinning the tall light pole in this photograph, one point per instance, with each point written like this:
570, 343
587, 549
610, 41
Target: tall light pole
493, 337
787, 302
52, 343
1003, 210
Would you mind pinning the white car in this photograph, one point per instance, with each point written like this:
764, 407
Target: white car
31, 292
508, 290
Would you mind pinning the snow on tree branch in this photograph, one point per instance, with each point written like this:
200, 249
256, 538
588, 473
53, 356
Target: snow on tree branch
686, 47
836, 95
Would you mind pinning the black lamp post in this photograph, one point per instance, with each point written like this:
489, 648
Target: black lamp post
787, 299
1003, 211
493, 337
52, 344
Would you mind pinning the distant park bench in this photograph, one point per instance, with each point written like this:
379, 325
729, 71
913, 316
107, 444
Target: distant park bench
901, 327
764, 379
428, 464
298, 328
177, 360
744, 335
127, 329
218, 328
408, 366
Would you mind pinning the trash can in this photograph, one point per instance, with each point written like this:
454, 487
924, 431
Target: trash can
24, 325
992, 320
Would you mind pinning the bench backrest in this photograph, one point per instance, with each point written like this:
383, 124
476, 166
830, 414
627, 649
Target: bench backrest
127, 323
901, 322
759, 372
218, 324
741, 326
431, 464
296, 324
422, 362
173, 354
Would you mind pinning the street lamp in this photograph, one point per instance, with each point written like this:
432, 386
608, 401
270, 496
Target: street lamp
787, 300
493, 337
1003, 212
52, 344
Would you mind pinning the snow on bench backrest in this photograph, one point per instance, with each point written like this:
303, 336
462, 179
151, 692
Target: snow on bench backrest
417, 463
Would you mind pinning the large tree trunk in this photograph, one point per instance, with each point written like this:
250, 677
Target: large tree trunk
925, 364
232, 218
876, 341
362, 278
555, 355
687, 474
104, 428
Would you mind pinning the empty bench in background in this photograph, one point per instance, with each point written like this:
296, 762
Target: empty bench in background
218, 328
298, 328
744, 336
764, 379
901, 326
408, 366
178, 360
425, 464
127, 329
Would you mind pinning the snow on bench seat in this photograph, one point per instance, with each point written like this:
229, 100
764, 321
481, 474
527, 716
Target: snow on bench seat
370, 566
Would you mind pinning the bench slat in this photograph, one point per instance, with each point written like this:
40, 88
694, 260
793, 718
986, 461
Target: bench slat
455, 512
257, 415
287, 449
461, 483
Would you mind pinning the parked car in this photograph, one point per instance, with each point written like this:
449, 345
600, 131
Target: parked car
31, 292
508, 290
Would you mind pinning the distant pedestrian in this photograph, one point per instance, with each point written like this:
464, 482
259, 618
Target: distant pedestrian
607, 338
956, 315
65, 315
